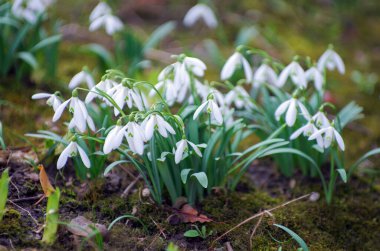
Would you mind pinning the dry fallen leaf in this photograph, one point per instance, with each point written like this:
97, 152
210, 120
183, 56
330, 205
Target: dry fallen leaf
81, 226
45, 183
189, 214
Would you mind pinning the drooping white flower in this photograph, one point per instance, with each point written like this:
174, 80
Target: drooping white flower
52, 99
313, 74
175, 79
30, 10
212, 109
200, 12
307, 130
331, 60
167, 89
134, 134
330, 135
295, 72
70, 151
264, 74
100, 10
156, 122
321, 120
82, 77
232, 63
239, 97
123, 94
110, 23
113, 139
80, 115
182, 146
290, 107
104, 85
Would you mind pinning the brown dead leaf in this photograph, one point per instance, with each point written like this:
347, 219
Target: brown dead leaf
81, 226
45, 182
189, 214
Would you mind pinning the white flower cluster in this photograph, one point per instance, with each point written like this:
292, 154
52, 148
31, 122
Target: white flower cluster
30, 10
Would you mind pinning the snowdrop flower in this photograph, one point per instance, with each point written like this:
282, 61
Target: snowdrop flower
212, 109
295, 72
82, 77
168, 91
156, 122
307, 130
110, 22
177, 79
264, 74
232, 63
239, 97
52, 99
330, 135
30, 9
79, 111
123, 94
290, 107
71, 151
313, 74
135, 136
331, 60
113, 139
200, 12
321, 119
102, 16
100, 10
104, 85
182, 146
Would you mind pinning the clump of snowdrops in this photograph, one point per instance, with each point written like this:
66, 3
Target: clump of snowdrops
185, 143
25, 43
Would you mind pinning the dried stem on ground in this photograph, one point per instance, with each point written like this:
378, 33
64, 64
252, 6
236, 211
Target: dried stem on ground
259, 215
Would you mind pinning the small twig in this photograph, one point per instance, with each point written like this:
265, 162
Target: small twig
28, 198
258, 215
18, 191
254, 231
159, 228
129, 187
31, 216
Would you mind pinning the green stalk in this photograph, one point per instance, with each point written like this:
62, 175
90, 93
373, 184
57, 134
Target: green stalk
330, 189
4, 186
51, 222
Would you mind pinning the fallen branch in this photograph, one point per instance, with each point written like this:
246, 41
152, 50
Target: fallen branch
259, 215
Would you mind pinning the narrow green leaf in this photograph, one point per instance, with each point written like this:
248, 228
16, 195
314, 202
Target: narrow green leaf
159, 34
295, 236
28, 58
342, 174
202, 178
112, 165
52, 215
361, 159
4, 186
128, 216
46, 42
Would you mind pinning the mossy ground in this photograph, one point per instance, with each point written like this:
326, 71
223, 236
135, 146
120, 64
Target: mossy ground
352, 222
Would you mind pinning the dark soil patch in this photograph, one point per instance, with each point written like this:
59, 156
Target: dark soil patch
351, 223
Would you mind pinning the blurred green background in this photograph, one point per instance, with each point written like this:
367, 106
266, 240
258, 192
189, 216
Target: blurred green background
282, 28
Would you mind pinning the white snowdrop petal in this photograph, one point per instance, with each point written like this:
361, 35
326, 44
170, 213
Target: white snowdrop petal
339, 140
291, 114
281, 109
41, 95
84, 157
60, 109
